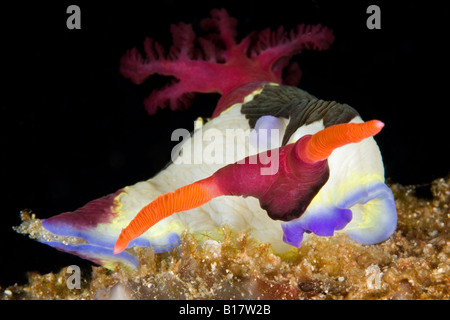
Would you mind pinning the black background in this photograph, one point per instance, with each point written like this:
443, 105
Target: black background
73, 129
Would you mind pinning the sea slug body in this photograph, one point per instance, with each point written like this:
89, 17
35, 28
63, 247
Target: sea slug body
324, 172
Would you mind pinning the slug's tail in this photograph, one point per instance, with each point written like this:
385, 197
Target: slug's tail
184, 198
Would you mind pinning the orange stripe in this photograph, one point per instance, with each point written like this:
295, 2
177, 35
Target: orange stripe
183, 199
322, 144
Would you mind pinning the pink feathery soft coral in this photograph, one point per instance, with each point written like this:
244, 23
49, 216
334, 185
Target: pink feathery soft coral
217, 63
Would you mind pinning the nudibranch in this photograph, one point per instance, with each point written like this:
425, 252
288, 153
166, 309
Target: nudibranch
273, 159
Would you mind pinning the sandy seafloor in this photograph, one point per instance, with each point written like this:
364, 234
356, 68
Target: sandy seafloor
413, 264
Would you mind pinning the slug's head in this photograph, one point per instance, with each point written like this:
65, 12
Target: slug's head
355, 200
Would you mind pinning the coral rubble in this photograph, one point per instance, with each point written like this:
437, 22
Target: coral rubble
413, 264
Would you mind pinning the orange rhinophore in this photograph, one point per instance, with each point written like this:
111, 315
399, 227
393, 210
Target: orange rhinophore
322, 144
184, 198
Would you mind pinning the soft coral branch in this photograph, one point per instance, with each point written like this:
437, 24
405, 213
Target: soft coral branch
138, 69
216, 62
224, 25
273, 50
273, 45
173, 95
